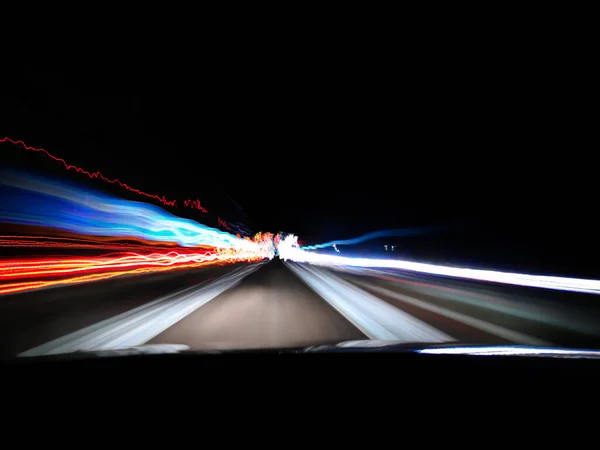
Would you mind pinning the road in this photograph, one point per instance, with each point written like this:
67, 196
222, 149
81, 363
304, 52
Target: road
277, 304
33, 318
271, 308
481, 313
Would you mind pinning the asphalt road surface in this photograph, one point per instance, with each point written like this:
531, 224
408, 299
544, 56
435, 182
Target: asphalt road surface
271, 308
276, 304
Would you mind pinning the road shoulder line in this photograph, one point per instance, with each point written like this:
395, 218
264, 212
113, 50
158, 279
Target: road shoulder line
139, 325
374, 317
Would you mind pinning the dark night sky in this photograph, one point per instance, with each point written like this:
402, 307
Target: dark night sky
341, 141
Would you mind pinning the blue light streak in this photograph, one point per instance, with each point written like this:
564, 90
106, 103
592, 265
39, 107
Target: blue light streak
34, 200
396, 232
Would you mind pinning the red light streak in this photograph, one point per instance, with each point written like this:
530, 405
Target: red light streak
35, 273
92, 175
195, 204
74, 243
224, 224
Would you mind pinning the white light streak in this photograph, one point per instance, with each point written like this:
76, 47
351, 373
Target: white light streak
509, 351
289, 250
376, 318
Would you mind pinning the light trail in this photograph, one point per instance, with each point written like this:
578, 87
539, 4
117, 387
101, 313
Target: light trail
195, 204
513, 350
223, 224
18, 275
190, 203
92, 175
38, 201
68, 243
288, 249
84, 218
396, 232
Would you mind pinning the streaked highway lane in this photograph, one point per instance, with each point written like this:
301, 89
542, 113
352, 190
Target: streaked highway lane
481, 313
281, 305
33, 318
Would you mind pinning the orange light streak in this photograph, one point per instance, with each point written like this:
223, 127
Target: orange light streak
73, 270
76, 243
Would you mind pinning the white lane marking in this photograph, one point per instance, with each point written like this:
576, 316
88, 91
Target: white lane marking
138, 326
496, 330
535, 309
374, 317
